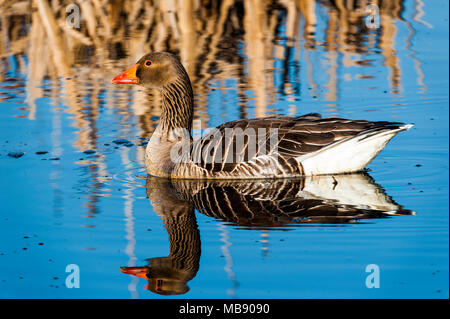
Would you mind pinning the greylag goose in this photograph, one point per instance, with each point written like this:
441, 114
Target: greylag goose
270, 147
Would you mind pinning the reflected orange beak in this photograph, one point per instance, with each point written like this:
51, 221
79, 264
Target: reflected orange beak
140, 272
127, 77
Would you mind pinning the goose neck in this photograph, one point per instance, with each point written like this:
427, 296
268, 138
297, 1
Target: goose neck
178, 106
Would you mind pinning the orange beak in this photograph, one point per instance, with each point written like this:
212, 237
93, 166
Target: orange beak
140, 272
127, 77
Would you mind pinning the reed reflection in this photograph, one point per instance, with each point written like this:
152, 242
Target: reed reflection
259, 205
216, 40
261, 46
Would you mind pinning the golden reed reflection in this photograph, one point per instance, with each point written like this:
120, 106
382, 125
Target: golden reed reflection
252, 42
216, 40
259, 205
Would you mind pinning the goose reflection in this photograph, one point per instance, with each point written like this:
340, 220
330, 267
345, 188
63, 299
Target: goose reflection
264, 204
169, 275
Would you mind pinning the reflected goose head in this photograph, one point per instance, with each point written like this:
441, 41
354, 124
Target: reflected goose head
162, 279
154, 70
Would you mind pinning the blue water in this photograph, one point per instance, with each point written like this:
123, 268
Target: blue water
68, 207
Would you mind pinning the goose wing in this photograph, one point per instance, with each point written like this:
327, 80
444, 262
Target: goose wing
245, 144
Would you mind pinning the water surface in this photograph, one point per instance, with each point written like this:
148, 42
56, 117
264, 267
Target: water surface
75, 191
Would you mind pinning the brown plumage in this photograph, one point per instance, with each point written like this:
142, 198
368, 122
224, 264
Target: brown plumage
271, 147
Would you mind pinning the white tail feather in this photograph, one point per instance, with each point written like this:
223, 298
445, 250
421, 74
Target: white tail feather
348, 155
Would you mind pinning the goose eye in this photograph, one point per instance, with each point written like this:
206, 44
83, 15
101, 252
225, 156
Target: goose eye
148, 63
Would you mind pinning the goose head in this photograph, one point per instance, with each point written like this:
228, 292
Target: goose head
154, 70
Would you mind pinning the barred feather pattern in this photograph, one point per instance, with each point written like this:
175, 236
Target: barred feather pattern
178, 102
281, 202
170, 275
296, 137
185, 248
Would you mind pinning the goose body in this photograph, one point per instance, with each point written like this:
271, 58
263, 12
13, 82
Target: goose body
270, 147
